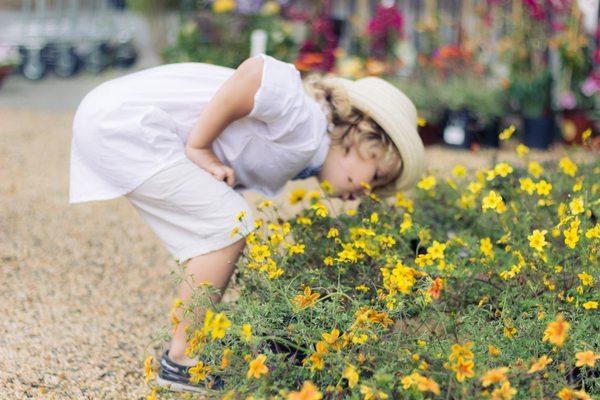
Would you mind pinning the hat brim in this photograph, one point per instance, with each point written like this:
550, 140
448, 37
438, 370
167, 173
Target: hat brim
393, 111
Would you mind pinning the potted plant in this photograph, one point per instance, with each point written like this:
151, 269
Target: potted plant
576, 82
474, 107
429, 105
9, 59
530, 78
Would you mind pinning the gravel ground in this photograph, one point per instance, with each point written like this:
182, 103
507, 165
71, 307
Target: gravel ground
87, 287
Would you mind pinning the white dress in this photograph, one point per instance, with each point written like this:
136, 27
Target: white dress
128, 128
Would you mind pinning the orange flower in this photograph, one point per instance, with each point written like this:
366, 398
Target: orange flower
257, 367
494, 376
556, 332
463, 369
586, 358
308, 392
569, 394
540, 364
436, 288
461, 351
307, 299
505, 392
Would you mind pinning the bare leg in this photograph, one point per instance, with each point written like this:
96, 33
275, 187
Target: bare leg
215, 267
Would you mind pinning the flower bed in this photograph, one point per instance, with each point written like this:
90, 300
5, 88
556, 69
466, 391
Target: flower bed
476, 287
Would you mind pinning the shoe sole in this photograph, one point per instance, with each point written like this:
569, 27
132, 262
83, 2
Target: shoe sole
179, 387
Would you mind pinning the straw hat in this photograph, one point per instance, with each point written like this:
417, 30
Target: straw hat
397, 116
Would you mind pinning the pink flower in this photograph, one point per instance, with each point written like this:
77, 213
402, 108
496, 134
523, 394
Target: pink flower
567, 100
591, 85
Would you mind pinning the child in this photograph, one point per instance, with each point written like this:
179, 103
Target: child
180, 141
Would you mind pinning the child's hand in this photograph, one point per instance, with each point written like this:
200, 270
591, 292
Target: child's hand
207, 160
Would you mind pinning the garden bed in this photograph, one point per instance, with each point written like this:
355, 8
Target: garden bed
481, 286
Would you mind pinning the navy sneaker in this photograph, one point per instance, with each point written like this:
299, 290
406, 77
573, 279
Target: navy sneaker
176, 377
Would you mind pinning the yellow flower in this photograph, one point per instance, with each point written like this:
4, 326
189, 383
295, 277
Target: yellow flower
320, 209
148, 372
303, 221
234, 231
537, 239
567, 166
507, 133
493, 350
257, 367
585, 135
590, 305
427, 183
504, 392
199, 372
264, 204
527, 185
326, 186
493, 201
492, 376
586, 279
543, 188
247, 332
333, 339
421, 121
485, 246
314, 196
333, 233
459, 170
503, 169
308, 392
351, 375
556, 331
535, 169
475, 187
270, 8
223, 6
587, 358
572, 233
297, 248
374, 218
539, 364
461, 351
152, 395
522, 150
219, 325
241, 215
297, 196
406, 223
576, 205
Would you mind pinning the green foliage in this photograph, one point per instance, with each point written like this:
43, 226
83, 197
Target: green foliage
405, 282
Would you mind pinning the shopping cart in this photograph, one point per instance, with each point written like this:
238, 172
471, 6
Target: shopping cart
65, 35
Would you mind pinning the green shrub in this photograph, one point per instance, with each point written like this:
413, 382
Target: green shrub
459, 292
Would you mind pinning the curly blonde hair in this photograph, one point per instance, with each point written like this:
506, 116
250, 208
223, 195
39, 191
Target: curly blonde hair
352, 126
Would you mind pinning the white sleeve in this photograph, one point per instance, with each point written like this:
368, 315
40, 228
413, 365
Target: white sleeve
282, 103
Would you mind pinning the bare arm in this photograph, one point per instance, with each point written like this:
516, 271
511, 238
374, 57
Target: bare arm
233, 100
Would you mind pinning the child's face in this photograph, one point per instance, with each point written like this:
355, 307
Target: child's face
345, 172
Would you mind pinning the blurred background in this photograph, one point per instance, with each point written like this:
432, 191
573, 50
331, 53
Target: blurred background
472, 67
86, 286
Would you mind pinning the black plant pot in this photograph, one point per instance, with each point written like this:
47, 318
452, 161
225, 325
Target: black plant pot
459, 128
488, 135
538, 132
